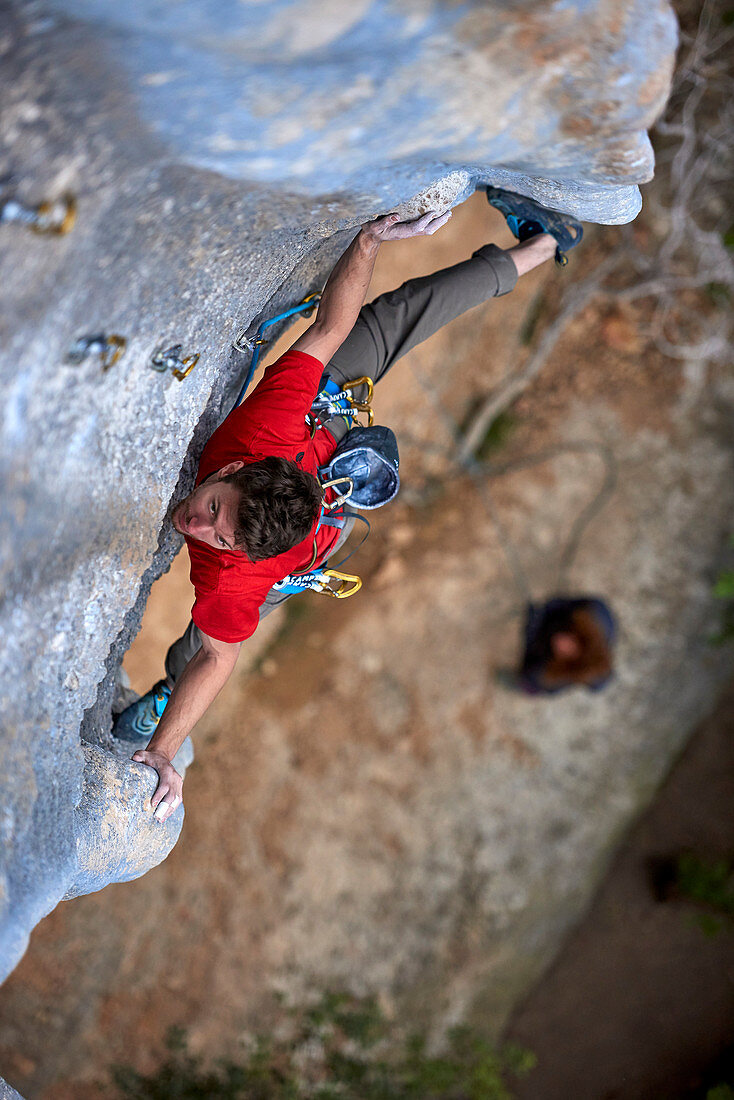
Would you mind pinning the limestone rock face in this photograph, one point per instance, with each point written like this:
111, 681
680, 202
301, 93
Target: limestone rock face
8, 1093
379, 96
115, 841
221, 155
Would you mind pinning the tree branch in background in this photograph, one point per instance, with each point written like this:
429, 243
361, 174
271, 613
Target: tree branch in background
688, 213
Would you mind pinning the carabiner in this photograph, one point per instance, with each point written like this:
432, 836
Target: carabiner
310, 302
46, 223
189, 364
343, 591
363, 381
254, 344
115, 345
162, 359
361, 406
341, 497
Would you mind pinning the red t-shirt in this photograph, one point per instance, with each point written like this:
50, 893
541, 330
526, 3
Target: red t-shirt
271, 421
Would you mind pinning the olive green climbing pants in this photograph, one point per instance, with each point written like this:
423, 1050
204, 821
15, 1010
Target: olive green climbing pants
387, 329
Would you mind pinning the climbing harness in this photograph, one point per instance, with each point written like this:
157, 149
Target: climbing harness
256, 344
56, 217
321, 580
170, 359
363, 471
373, 461
108, 348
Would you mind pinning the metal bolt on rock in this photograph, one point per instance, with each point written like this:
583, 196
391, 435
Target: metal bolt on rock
108, 348
56, 217
170, 359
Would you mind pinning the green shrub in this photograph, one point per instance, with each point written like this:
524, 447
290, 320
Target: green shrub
720, 1092
341, 1049
496, 436
706, 881
724, 590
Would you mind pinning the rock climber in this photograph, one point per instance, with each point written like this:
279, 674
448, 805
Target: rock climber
255, 515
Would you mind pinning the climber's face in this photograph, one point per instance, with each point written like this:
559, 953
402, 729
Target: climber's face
209, 513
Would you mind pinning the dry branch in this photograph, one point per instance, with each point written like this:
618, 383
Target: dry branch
691, 256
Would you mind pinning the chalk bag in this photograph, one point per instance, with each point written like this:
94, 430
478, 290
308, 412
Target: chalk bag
369, 457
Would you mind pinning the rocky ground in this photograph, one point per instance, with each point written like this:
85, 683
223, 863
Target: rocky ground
370, 806
639, 1004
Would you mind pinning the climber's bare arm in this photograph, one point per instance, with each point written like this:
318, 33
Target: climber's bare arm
533, 252
347, 286
200, 682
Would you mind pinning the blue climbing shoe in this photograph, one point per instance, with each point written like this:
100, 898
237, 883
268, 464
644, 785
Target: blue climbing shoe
527, 219
139, 720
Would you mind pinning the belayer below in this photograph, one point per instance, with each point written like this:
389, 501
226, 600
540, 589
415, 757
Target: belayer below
567, 642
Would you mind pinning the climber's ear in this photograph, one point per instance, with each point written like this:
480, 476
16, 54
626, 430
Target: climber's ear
227, 471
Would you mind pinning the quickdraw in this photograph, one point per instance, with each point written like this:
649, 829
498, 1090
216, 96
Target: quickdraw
55, 218
170, 358
332, 401
108, 348
329, 581
256, 343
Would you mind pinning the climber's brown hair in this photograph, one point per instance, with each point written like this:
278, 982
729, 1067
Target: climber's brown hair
278, 505
594, 661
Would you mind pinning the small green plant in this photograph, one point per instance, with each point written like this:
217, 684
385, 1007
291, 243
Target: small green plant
724, 587
536, 310
720, 1092
496, 436
341, 1049
707, 882
719, 294
724, 590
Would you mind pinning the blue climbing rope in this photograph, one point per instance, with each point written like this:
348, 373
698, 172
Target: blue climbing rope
258, 343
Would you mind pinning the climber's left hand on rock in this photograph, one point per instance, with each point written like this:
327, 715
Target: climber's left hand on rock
168, 795
390, 228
